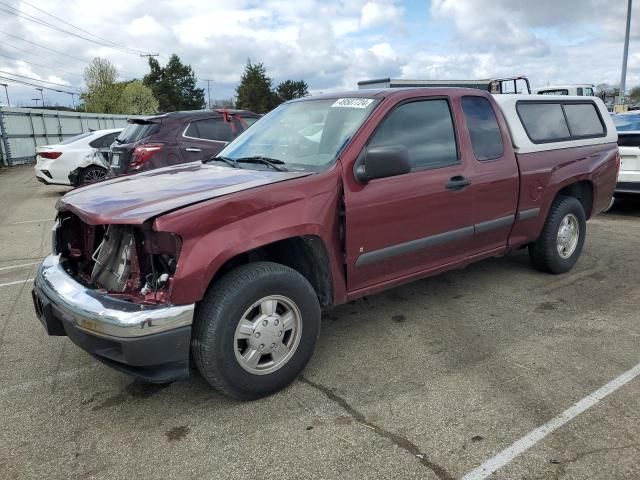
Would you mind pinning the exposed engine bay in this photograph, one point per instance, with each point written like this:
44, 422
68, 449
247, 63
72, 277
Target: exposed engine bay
131, 262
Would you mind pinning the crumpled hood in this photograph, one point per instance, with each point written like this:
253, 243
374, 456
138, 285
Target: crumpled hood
136, 198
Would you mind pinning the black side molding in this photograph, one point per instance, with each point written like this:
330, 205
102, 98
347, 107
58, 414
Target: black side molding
494, 224
528, 214
412, 246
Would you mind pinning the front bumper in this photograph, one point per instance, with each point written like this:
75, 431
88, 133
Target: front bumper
149, 342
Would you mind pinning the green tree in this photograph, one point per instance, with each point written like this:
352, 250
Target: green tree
103, 91
635, 93
174, 85
137, 99
290, 89
254, 92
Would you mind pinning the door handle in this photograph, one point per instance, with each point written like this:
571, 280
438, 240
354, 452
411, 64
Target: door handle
193, 149
457, 183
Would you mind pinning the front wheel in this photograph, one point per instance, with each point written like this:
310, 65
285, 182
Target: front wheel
560, 244
255, 330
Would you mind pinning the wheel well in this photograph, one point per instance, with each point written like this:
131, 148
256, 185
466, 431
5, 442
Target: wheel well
307, 255
583, 191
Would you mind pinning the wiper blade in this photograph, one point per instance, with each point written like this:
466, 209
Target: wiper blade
271, 162
229, 161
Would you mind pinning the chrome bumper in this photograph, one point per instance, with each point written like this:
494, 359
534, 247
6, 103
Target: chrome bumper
100, 314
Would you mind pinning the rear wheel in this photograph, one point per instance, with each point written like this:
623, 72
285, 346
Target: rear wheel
255, 330
92, 174
560, 244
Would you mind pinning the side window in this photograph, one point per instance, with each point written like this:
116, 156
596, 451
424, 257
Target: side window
210, 129
583, 120
425, 128
486, 138
544, 122
579, 93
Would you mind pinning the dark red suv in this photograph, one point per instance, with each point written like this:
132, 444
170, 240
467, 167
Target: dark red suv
176, 137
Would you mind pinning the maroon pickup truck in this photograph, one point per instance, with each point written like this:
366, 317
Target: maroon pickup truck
230, 261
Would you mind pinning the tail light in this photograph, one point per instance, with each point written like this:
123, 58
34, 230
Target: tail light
49, 155
142, 153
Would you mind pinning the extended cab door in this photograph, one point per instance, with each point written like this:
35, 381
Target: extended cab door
407, 224
204, 138
495, 178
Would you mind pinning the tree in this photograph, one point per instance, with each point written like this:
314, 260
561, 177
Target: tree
635, 93
102, 92
137, 99
254, 92
290, 89
174, 85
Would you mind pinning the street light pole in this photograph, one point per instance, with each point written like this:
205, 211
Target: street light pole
623, 78
209, 93
6, 92
41, 95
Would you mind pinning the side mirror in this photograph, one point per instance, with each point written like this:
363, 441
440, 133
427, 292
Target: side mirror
381, 162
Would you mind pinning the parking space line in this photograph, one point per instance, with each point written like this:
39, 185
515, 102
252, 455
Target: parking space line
529, 440
33, 221
19, 266
17, 282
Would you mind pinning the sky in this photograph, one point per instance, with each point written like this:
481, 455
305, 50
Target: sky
329, 44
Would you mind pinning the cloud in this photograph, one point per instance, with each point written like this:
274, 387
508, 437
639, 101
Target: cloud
379, 13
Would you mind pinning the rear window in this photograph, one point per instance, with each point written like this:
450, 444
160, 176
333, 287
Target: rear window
583, 120
561, 91
560, 121
627, 140
486, 139
69, 140
137, 130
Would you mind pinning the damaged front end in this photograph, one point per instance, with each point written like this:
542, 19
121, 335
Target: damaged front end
133, 263
108, 288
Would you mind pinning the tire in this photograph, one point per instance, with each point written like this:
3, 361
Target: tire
552, 254
92, 174
218, 351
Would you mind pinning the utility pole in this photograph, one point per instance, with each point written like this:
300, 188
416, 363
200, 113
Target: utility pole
209, 93
41, 95
149, 55
623, 78
36, 100
6, 92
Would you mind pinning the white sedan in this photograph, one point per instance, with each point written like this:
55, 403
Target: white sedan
77, 160
628, 126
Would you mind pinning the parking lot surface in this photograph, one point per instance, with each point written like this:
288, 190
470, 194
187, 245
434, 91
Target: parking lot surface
429, 380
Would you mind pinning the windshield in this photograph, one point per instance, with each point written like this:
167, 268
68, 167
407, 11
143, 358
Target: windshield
305, 135
135, 131
626, 122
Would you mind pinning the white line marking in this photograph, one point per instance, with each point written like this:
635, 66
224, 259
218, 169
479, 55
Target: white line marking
508, 454
17, 282
19, 266
33, 221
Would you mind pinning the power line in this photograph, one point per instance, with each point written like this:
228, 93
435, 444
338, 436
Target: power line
26, 16
29, 84
81, 29
42, 46
130, 74
40, 65
38, 80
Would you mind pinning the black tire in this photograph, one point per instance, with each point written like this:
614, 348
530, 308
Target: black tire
217, 316
543, 252
92, 174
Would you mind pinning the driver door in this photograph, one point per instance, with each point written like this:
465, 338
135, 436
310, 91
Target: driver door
409, 224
